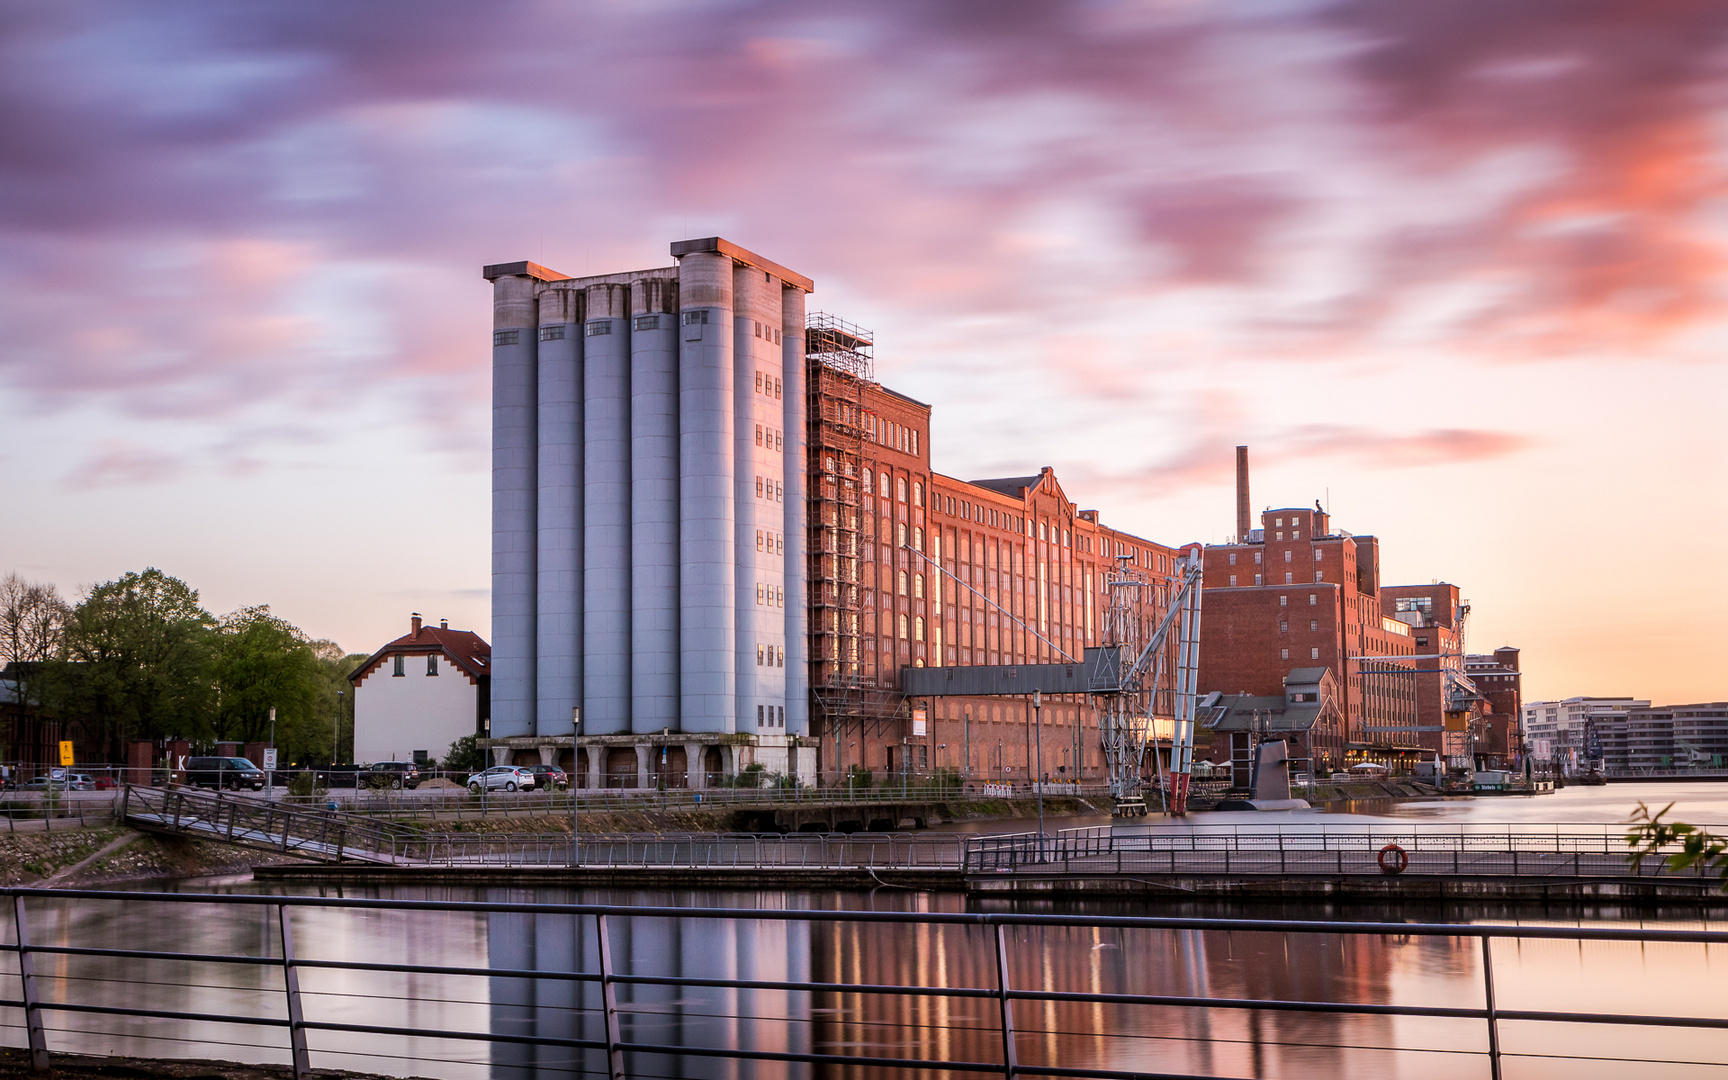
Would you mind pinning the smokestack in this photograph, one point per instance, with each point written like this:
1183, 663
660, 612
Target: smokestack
414, 621
1243, 520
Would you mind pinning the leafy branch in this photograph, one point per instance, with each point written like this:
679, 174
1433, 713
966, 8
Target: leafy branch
1651, 837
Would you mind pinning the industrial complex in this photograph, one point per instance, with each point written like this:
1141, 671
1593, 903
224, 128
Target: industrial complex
719, 542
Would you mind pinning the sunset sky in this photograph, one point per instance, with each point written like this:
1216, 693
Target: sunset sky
1456, 269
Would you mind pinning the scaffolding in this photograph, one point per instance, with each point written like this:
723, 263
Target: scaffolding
840, 369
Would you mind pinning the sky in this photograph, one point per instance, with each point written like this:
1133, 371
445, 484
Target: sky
1455, 270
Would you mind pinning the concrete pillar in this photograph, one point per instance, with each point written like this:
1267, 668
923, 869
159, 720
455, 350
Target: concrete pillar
514, 500
501, 755
695, 775
596, 768
606, 511
548, 755
762, 493
558, 603
707, 586
792, 353
645, 766
654, 572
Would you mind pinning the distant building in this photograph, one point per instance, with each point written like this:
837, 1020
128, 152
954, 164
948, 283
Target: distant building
1555, 731
420, 693
1307, 716
1499, 681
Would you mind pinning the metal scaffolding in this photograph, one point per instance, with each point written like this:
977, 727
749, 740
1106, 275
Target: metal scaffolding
841, 369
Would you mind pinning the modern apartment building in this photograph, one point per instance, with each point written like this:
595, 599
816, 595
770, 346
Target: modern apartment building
1555, 731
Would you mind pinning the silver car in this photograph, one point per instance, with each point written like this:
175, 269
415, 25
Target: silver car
508, 777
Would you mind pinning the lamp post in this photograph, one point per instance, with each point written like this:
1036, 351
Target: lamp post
1038, 739
575, 805
270, 774
336, 734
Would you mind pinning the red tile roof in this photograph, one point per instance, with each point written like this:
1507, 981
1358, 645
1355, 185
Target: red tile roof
464, 648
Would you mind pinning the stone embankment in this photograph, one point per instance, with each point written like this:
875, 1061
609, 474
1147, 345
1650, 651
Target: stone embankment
97, 855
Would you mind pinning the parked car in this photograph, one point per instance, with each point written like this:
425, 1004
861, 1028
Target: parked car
394, 774
106, 783
80, 782
549, 776
224, 772
508, 777
43, 783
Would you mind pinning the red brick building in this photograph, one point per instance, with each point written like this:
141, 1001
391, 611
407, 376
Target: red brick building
1022, 580
1298, 594
1498, 740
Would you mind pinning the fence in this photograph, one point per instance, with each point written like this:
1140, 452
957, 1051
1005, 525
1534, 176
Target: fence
1008, 1002
1465, 850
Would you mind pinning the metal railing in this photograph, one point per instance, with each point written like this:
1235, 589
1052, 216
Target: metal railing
292, 830
1523, 851
1002, 965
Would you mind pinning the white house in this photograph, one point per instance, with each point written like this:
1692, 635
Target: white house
420, 693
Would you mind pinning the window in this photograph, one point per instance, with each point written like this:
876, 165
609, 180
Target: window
1232, 580
1283, 627
758, 434
1232, 558
1283, 601
900, 533
1289, 579
431, 665
758, 487
760, 379
758, 539
1257, 558
760, 649
918, 586
758, 716
900, 489
1280, 536
759, 590
902, 628
398, 672
776, 389
1283, 654
1296, 534
884, 485
1421, 641
552, 333
1313, 654
600, 328
1286, 556
1256, 579
902, 583
1314, 624
917, 494
779, 656
696, 318
918, 629
914, 444
917, 539
1278, 522
779, 491
1319, 575
1313, 599
506, 337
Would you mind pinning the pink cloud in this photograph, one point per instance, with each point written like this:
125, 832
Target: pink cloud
118, 463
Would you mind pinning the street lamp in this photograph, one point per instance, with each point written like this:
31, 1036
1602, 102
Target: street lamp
336, 734
575, 805
1038, 737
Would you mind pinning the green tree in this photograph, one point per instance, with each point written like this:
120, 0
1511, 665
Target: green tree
1681, 845
32, 629
465, 755
335, 703
263, 662
138, 656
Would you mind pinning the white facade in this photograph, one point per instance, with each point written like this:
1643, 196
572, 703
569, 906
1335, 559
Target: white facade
396, 715
1555, 729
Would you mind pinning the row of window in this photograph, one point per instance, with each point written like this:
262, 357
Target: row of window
767, 385
773, 716
1289, 579
770, 656
767, 332
1313, 654
768, 437
1284, 626
769, 488
887, 433
770, 543
770, 595
401, 661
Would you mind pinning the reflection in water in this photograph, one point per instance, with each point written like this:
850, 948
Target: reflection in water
1180, 1038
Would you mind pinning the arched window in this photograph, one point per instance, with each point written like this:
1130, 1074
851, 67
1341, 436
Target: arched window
917, 494
902, 628
902, 583
901, 531
901, 488
917, 539
869, 481
884, 491
918, 630
918, 586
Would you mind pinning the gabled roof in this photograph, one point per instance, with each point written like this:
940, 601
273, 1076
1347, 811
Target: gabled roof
1011, 486
464, 648
1252, 712
1306, 675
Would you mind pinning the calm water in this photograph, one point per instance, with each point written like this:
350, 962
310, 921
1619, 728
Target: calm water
1678, 980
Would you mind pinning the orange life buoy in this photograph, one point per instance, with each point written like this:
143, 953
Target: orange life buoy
1393, 859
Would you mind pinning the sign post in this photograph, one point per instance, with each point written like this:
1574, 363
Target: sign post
66, 753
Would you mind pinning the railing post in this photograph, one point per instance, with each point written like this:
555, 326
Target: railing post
1493, 1015
32, 1001
609, 1002
1010, 1063
291, 981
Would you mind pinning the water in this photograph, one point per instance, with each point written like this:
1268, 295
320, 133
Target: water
1597, 977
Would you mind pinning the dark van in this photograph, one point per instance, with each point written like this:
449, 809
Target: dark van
224, 772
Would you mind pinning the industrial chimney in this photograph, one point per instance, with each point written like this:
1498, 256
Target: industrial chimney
1244, 523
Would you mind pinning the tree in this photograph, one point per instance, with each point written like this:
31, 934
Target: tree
465, 755
139, 651
261, 663
336, 700
32, 628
